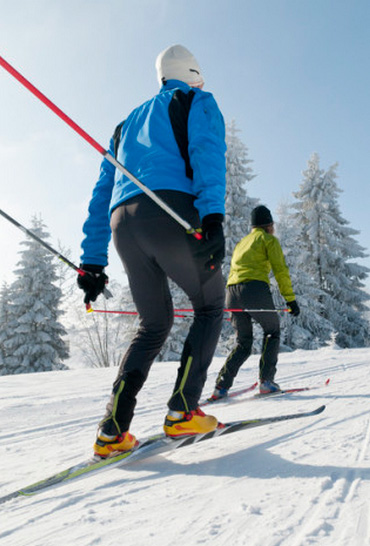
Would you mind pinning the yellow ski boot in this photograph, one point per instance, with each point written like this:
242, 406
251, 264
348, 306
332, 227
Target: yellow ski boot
180, 423
109, 446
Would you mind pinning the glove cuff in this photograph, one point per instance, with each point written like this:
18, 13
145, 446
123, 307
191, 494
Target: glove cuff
214, 218
92, 268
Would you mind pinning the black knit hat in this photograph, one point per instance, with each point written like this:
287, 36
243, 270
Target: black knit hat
261, 216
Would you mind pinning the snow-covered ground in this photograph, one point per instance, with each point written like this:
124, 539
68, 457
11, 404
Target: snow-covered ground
295, 483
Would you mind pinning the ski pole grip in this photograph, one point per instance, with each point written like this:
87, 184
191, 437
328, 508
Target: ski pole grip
106, 293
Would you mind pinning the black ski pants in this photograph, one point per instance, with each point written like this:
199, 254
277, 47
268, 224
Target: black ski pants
154, 247
251, 295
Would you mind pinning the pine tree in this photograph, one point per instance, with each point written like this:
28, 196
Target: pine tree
310, 329
5, 297
35, 341
238, 204
238, 212
327, 245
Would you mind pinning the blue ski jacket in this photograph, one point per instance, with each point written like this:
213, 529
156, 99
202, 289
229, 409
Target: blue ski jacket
174, 141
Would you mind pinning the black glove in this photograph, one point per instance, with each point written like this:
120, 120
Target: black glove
211, 248
93, 282
294, 308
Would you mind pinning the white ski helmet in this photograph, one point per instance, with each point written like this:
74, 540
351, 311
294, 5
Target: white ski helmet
177, 63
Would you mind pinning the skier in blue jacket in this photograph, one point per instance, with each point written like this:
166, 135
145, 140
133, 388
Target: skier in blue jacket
174, 144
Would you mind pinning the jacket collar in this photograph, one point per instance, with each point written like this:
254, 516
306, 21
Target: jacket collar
173, 84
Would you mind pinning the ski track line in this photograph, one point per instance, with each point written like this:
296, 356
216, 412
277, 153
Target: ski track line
288, 380
362, 519
327, 371
37, 432
328, 511
90, 419
86, 420
44, 428
70, 423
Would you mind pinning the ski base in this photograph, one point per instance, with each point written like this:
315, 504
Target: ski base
154, 445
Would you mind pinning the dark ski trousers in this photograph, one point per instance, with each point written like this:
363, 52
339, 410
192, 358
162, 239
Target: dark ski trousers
154, 247
251, 295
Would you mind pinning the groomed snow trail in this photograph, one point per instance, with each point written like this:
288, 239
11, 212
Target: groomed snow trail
297, 483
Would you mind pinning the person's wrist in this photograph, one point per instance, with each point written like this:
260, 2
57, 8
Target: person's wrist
213, 218
92, 268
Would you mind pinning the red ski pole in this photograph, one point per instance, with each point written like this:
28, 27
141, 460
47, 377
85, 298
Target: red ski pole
28, 85
107, 311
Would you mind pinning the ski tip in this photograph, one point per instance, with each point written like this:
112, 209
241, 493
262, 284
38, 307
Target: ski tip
327, 381
320, 409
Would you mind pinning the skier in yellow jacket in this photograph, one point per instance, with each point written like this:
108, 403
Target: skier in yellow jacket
248, 288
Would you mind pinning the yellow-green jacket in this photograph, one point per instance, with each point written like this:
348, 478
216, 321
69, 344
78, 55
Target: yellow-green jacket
254, 257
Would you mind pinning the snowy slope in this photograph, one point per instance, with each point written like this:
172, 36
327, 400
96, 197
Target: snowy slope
293, 484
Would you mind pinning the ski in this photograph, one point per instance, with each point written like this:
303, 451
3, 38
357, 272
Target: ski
260, 395
153, 445
291, 391
230, 395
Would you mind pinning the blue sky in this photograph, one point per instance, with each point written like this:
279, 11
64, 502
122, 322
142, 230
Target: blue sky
292, 73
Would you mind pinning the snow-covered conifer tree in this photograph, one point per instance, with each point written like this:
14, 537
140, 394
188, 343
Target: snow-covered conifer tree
238, 211
310, 329
327, 245
4, 324
35, 341
238, 204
